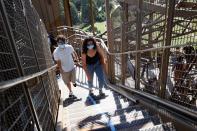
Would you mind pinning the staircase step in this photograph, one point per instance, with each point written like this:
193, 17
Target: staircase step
98, 107
113, 111
103, 120
113, 114
169, 127
128, 126
160, 127
153, 128
109, 111
127, 117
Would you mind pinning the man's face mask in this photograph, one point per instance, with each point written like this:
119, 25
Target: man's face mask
61, 44
90, 45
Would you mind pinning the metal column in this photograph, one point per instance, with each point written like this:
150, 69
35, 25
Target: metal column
67, 13
110, 43
165, 56
34, 51
138, 44
124, 42
48, 17
54, 17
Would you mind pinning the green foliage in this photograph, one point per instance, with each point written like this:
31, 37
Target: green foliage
77, 3
74, 13
80, 13
85, 11
98, 10
61, 4
100, 16
100, 3
100, 27
116, 16
89, 29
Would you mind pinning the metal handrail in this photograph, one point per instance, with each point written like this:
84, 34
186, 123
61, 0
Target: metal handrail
168, 104
65, 28
68, 27
60, 28
102, 42
131, 52
10, 83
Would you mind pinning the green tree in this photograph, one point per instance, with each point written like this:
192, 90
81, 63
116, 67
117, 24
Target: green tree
77, 3
62, 16
74, 13
85, 10
100, 3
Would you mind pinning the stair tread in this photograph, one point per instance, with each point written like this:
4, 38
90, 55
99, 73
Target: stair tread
83, 107
152, 128
107, 110
128, 116
134, 125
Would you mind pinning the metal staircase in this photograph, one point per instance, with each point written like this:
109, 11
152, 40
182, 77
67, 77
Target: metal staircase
29, 91
113, 112
123, 109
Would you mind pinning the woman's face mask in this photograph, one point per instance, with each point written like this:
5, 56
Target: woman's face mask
90, 45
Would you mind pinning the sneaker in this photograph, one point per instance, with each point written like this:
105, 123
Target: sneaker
101, 93
91, 93
74, 97
70, 95
74, 84
93, 96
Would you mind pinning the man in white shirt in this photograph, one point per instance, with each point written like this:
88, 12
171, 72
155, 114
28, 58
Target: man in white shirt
65, 55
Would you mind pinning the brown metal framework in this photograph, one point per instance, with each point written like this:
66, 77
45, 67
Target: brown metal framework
151, 50
140, 96
49, 12
164, 35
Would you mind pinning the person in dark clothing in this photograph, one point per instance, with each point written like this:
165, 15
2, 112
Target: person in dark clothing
189, 53
53, 42
53, 46
93, 60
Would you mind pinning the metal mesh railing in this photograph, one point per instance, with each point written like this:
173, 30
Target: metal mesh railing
14, 110
8, 68
28, 87
16, 17
157, 40
15, 113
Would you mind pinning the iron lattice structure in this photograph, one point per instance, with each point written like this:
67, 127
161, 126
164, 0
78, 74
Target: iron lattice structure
24, 51
158, 42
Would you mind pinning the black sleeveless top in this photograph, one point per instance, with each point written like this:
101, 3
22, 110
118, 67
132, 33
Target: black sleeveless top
92, 60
